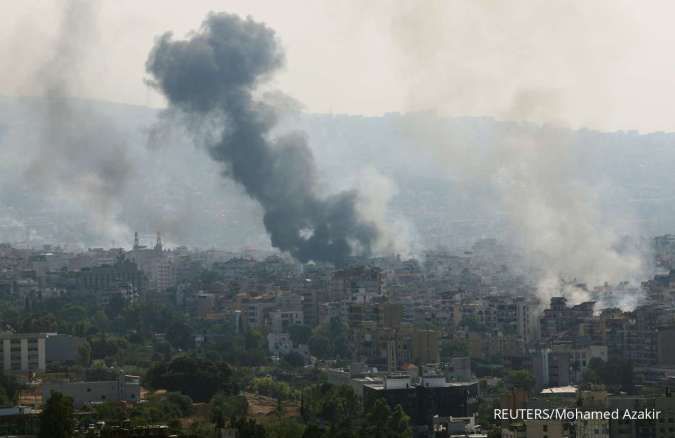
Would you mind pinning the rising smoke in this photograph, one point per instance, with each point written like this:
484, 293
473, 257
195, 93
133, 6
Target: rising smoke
78, 172
525, 61
210, 79
80, 161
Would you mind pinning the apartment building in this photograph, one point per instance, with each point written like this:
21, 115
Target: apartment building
23, 352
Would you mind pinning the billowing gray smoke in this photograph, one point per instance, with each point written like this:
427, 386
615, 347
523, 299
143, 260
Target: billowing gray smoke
81, 162
212, 76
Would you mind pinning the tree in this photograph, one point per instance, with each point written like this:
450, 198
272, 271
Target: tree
180, 336
73, 313
180, 402
336, 406
115, 306
617, 374
382, 422
111, 411
199, 429
84, 354
4, 398
248, 428
294, 359
197, 378
590, 377
312, 431
300, 334
223, 407
284, 427
107, 346
39, 323
521, 379
9, 389
99, 371
167, 408
272, 388
320, 347
57, 419
398, 424
330, 340
376, 419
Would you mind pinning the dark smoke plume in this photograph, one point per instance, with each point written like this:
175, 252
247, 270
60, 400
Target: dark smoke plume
212, 76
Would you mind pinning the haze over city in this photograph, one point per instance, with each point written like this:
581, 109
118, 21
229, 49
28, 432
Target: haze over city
347, 193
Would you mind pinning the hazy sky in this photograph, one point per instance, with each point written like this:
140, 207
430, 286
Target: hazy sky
603, 64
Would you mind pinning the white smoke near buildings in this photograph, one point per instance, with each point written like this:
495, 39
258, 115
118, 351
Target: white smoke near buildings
523, 61
376, 192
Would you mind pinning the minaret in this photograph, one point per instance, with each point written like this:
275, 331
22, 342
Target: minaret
158, 245
136, 244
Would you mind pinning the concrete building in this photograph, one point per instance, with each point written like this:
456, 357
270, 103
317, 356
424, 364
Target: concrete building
23, 352
279, 344
559, 371
256, 309
424, 398
281, 320
108, 277
62, 349
310, 305
125, 389
205, 304
459, 368
664, 346
665, 427
425, 347
333, 310
593, 400
514, 431
359, 285
390, 348
546, 429
19, 421
155, 263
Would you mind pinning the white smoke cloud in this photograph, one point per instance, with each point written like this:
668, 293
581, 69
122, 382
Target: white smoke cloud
522, 61
376, 192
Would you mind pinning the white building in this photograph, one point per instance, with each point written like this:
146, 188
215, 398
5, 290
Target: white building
155, 263
23, 352
126, 389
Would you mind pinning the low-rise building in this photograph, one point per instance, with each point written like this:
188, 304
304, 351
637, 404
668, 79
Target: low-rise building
125, 389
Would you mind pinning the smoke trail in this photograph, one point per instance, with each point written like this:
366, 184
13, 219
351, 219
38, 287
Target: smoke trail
80, 159
210, 80
480, 58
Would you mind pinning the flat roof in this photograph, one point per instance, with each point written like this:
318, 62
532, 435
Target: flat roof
560, 390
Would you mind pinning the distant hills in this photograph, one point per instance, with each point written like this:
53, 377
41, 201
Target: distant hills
174, 186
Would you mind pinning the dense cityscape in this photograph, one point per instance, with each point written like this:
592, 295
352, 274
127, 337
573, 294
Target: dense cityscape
322, 219
180, 342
